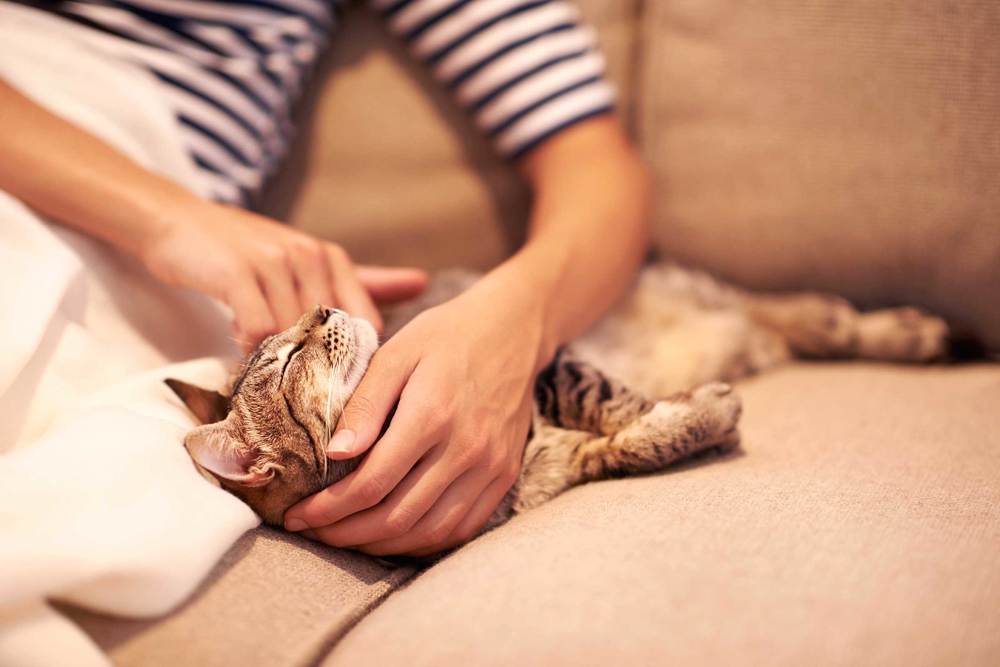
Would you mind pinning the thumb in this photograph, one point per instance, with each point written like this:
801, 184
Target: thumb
368, 408
390, 284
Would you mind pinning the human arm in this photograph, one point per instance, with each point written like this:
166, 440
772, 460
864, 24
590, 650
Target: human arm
463, 372
266, 272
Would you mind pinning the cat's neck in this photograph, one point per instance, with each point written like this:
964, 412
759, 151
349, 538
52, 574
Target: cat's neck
337, 470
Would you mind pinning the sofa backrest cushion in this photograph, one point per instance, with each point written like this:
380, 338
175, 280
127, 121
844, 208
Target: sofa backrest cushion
841, 145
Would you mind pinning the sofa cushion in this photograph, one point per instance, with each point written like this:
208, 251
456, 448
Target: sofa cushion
859, 526
847, 146
274, 599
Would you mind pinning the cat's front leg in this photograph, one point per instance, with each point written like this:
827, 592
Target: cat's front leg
672, 430
573, 394
675, 428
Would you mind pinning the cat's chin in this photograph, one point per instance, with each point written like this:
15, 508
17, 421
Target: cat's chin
365, 344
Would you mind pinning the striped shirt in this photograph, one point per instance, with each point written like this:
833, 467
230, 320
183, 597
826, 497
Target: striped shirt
232, 70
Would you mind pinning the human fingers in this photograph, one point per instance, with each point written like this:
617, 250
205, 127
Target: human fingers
347, 288
253, 318
438, 524
403, 444
368, 408
274, 273
373, 480
313, 279
402, 508
502, 471
473, 522
391, 284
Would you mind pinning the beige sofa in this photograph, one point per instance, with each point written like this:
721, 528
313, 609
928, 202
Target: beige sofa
841, 145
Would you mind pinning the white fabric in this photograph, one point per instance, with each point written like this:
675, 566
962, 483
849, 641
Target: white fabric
32, 634
99, 503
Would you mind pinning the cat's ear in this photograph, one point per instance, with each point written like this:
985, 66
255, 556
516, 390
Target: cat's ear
215, 448
207, 405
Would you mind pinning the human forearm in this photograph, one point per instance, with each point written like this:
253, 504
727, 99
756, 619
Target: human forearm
588, 233
74, 178
266, 272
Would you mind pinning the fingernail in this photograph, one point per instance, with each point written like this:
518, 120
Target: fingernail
295, 525
341, 442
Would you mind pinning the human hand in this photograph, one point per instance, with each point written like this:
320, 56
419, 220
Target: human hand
268, 273
463, 374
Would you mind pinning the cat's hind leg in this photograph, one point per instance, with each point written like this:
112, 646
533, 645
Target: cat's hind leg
901, 334
822, 326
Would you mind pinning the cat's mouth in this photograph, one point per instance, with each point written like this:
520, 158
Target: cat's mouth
365, 344
354, 342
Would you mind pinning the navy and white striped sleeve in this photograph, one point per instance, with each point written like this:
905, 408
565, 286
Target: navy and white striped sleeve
524, 69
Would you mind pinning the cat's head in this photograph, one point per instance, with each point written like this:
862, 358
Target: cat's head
266, 440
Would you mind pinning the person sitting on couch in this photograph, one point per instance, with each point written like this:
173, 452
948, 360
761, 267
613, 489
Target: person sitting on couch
531, 77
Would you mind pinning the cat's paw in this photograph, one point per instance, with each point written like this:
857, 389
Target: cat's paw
902, 335
692, 421
719, 409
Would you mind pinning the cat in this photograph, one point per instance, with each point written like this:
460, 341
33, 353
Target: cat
646, 387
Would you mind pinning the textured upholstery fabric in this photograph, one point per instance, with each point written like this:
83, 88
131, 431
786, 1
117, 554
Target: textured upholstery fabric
860, 527
275, 599
849, 146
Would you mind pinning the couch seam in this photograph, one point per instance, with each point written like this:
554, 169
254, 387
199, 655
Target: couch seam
322, 648
635, 64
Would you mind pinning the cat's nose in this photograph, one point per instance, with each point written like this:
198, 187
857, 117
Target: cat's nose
318, 316
323, 313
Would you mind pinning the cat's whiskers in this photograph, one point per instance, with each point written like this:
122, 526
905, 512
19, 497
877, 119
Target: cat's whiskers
329, 405
329, 400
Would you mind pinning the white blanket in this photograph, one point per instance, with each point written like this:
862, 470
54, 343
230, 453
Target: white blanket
99, 502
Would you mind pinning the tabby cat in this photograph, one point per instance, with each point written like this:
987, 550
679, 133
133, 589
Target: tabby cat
678, 336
